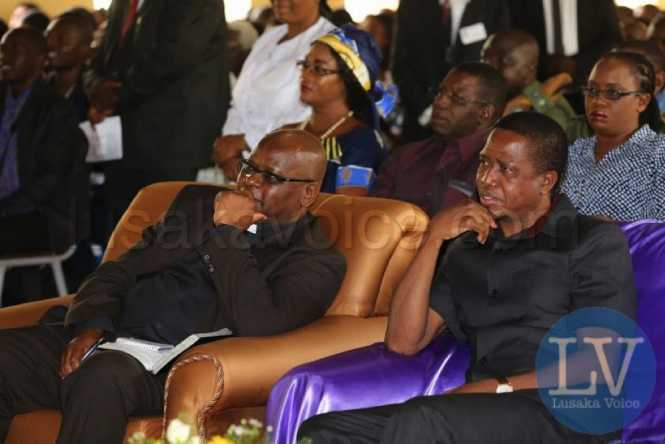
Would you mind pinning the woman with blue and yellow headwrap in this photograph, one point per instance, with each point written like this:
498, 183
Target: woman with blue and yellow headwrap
339, 82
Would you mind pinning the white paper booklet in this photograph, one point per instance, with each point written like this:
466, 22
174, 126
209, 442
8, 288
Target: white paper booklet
104, 139
153, 355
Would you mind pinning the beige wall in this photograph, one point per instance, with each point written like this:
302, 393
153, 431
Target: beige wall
51, 7
333, 3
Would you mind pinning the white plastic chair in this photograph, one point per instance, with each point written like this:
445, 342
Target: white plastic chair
54, 260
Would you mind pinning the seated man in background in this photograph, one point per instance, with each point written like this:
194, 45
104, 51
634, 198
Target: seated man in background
69, 37
515, 55
41, 153
438, 172
200, 269
491, 290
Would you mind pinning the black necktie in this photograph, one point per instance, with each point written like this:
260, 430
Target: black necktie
556, 18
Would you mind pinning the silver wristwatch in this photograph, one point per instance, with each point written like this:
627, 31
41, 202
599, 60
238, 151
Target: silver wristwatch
504, 385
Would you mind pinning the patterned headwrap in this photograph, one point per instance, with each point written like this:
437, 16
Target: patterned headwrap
361, 55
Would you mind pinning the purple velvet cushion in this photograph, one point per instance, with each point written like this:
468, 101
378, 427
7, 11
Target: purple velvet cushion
647, 249
372, 376
364, 377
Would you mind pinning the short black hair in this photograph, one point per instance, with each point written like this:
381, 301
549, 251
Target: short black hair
36, 20
325, 10
84, 24
341, 17
32, 38
547, 141
493, 88
84, 13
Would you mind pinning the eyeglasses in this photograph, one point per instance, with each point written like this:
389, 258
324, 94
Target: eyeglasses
319, 70
456, 98
609, 94
248, 169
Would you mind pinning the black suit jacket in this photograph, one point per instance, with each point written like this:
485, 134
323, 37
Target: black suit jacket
282, 283
51, 168
174, 76
598, 29
422, 55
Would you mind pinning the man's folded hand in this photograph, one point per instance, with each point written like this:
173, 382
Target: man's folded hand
237, 209
76, 349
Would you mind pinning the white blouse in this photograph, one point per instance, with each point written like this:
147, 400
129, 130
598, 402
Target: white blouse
267, 94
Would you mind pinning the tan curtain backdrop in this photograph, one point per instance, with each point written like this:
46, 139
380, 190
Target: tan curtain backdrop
51, 7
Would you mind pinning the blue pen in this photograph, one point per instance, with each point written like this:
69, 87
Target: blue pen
92, 349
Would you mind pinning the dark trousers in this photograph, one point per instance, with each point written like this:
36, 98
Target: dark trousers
95, 400
509, 418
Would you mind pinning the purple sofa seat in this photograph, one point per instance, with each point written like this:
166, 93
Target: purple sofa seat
373, 376
647, 249
364, 377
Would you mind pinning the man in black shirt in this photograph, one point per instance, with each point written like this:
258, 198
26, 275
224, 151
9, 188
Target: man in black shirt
197, 270
516, 262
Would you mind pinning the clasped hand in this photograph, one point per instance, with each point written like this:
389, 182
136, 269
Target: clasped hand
237, 209
460, 218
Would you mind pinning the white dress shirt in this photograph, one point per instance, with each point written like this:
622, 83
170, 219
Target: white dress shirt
457, 8
267, 93
569, 30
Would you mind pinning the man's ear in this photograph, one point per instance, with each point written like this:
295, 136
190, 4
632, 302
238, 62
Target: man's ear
549, 180
309, 194
487, 113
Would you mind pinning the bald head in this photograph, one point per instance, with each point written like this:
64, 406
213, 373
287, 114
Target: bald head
284, 174
515, 55
304, 155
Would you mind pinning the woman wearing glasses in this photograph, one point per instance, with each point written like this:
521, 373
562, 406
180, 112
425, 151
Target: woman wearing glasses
266, 94
339, 81
619, 173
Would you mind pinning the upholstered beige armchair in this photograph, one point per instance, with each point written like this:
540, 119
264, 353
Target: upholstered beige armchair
225, 380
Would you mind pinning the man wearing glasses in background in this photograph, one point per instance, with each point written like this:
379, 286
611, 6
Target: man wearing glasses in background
439, 172
200, 269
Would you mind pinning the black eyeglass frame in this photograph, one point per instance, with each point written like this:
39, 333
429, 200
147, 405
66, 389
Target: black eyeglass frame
267, 176
614, 97
457, 99
319, 70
